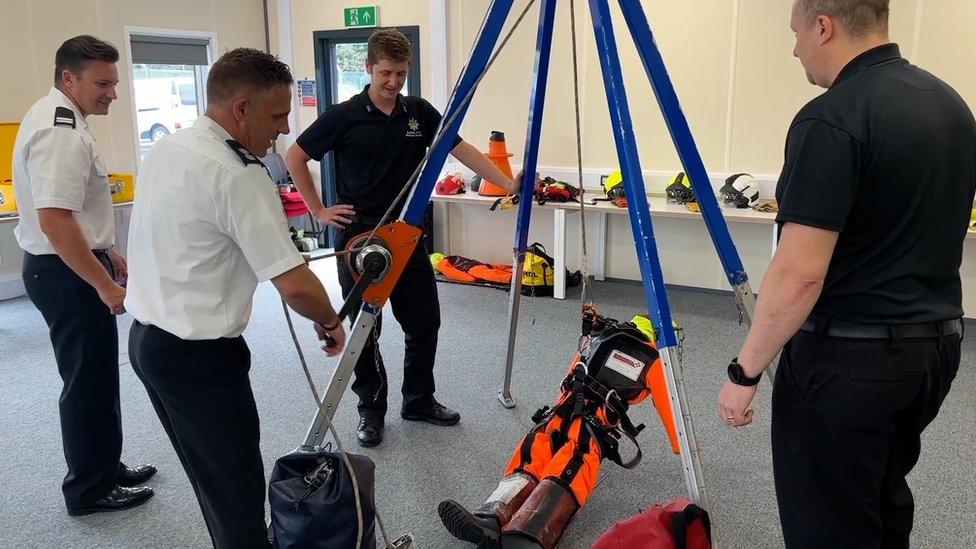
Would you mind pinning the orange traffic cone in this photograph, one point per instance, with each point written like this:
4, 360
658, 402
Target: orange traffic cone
499, 156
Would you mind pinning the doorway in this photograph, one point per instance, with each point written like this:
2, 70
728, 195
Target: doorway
340, 56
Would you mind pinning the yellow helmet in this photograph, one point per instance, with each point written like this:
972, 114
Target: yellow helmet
679, 189
613, 185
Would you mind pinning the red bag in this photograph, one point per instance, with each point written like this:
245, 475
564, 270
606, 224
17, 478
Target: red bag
679, 524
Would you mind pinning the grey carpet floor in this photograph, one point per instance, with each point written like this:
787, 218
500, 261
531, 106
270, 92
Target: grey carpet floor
418, 465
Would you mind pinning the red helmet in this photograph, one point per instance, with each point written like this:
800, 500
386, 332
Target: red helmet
453, 183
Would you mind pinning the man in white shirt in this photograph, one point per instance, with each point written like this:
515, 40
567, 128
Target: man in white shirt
72, 272
207, 226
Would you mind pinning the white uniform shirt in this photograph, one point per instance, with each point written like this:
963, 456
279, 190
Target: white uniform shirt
206, 228
57, 164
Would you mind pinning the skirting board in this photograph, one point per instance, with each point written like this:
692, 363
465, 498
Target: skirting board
11, 288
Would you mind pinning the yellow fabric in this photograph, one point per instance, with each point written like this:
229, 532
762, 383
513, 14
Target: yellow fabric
536, 271
643, 324
614, 179
436, 258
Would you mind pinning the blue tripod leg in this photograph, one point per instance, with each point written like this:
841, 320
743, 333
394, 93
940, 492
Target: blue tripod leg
480, 54
547, 17
684, 142
647, 256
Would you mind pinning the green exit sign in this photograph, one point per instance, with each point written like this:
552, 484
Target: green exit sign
363, 16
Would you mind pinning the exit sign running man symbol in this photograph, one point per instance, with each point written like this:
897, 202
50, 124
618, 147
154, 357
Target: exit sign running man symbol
362, 16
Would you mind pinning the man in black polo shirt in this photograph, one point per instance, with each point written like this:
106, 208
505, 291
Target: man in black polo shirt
379, 137
863, 294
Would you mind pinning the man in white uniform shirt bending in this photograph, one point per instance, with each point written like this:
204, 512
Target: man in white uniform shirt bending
207, 226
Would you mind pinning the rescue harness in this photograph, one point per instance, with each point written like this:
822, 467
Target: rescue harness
611, 372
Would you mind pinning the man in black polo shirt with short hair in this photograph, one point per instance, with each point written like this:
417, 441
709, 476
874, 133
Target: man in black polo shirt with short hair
379, 137
863, 294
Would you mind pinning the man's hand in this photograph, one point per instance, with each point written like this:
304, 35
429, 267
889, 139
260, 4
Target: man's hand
733, 404
517, 182
339, 215
119, 265
335, 339
113, 297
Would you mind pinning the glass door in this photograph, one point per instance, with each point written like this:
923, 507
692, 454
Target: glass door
340, 73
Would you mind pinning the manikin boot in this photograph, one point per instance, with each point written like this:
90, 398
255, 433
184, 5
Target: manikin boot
541, 520
483, 526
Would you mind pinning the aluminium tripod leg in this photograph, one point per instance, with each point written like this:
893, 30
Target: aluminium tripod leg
547, 16
647, 256
362, 328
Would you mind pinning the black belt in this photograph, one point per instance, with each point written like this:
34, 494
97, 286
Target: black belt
838, 328
366, 220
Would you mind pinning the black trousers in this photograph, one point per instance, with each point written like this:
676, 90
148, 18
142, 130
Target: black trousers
86, 349
202, 395
846, 424
416, 308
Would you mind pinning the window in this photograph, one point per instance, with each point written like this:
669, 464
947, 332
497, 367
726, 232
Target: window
169, 75
188, 94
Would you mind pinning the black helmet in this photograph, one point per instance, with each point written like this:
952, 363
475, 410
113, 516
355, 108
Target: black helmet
679, 189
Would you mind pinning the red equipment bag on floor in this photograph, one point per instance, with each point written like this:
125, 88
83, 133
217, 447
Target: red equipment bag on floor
679, 524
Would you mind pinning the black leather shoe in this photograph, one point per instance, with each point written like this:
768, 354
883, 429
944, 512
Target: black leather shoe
462, 524
134, 476
436, 414
118, 499
370, 431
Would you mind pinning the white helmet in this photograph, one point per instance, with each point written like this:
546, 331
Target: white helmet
740, 190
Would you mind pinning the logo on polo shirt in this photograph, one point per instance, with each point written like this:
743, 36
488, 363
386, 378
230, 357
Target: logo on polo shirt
414, 130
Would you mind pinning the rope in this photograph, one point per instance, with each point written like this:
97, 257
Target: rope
584, 258
335, 435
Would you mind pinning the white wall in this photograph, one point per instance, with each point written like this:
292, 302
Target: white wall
32, 30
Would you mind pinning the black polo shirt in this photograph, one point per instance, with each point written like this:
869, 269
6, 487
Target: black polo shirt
375, 153
887, 158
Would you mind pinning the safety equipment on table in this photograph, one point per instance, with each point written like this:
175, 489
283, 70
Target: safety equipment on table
676, 524
476, 183
538, 276
614, 190
557, 191
679, 189
554, 468
451, 183
313, 502
499, 156
740, 190
505, 202
462, 269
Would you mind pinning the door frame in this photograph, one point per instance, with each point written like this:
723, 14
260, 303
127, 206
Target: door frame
322, 41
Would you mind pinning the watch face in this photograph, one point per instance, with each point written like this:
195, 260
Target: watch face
735, 372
